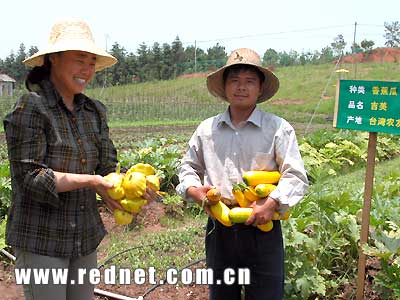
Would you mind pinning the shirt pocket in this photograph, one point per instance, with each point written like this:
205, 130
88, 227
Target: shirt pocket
264, 161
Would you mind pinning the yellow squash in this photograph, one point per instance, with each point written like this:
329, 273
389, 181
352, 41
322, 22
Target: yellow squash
122, 217
240, 214
252, 178
213, 196
264, 189
250, 194
117, 192
278, 216
221, 212
134, 185
266, 227
146, 169
133, 205
153, 182
239, 196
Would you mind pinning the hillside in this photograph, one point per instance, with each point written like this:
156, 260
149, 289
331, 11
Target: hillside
306, 91
378, 55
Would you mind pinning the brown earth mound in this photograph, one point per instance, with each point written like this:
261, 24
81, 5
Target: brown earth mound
378, 55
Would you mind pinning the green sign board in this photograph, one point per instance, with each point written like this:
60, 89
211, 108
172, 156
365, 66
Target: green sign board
372, 106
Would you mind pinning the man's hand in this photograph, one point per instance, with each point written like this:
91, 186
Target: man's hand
263, 210
150, 195
198, 194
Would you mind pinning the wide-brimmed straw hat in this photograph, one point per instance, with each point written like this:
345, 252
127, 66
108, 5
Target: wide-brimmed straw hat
215, 82
72, 35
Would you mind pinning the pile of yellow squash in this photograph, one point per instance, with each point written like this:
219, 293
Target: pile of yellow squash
129, 188
256, 185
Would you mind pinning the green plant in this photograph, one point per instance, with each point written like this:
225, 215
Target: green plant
161, 153
329, 153
5, 188
387, 248
174, 205
3, 233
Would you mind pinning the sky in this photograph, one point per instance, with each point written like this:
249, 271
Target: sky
283, 25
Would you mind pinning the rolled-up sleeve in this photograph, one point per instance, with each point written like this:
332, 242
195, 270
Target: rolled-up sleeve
26, 139
293, 182
191, 169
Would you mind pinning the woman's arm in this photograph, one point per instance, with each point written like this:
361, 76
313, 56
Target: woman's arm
66, 182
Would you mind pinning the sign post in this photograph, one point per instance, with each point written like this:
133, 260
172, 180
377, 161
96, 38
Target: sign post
368, 189
372, 106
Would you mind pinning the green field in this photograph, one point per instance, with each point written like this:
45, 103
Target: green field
308, 90
152, 122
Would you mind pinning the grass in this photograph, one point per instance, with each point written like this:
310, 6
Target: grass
117, 123
177, 244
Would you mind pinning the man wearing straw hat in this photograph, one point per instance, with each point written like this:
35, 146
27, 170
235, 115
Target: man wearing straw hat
223, 147
58, 139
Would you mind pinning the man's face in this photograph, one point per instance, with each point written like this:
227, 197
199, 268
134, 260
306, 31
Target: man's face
242, 89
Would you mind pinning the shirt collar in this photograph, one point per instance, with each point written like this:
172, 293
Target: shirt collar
53, 97
255, 118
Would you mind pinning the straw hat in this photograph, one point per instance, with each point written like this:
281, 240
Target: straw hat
245, 56
72, 35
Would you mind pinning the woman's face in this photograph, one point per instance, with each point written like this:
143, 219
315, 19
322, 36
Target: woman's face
71, 71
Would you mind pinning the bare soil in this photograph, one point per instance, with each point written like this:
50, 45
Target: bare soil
378, 55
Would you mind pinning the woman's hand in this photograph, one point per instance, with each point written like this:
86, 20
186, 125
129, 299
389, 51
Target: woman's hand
100, 185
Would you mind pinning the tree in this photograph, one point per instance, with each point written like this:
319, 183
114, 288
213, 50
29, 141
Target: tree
178, 55
270, 57
288, 59
20, 70
305, 58
326, 55
9, 65
217, 55
167, 69
32, 50
143, 62
156, 61
367, 45
356, 48
392, 34
338, 45
191, 59
119, 72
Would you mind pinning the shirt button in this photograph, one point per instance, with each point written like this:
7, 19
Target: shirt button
82, 207
237, 133
234, 153
72, 224
83, 161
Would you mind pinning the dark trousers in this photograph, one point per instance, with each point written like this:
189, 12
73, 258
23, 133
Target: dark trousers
242, 246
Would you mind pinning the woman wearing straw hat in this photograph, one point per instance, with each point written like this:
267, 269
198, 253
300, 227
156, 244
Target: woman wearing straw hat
57, 141
223, 147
